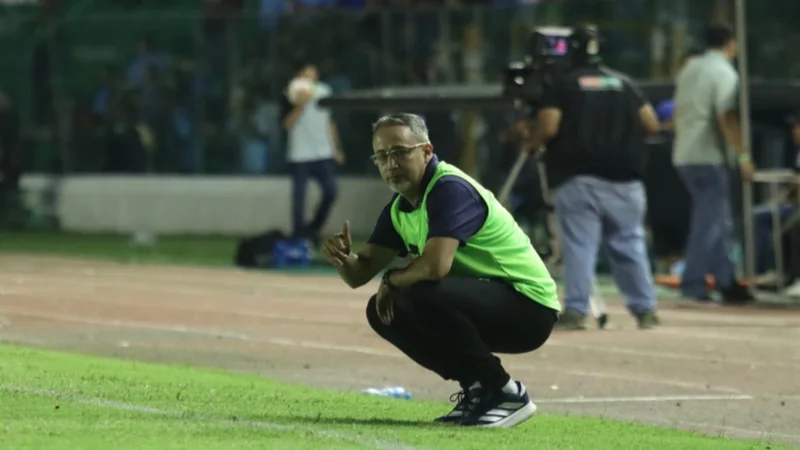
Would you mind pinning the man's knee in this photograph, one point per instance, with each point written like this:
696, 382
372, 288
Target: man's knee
421, 294
413, 299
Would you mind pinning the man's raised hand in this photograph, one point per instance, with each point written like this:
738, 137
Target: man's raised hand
337, 247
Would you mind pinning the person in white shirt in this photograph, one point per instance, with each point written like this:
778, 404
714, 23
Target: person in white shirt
706, 128
313, 148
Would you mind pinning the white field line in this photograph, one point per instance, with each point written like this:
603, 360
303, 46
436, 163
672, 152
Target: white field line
262, 290
643, 379
384, 445
219, 278
669, 355
264, 287
724, 430
147, 275
228, 275
183, 307
32, 287
702, 335
123, 323
209, 418
554, 342
564, 400
646, 399
209, 307
246, 300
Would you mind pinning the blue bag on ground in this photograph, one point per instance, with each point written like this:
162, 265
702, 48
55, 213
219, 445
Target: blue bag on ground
291, 253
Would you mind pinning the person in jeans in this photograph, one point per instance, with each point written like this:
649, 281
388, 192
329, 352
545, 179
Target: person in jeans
706, 124
313, 150
593, 122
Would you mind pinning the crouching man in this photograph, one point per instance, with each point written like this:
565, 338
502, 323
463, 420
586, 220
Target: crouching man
475, 286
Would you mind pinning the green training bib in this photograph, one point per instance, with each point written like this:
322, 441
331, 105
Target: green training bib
500, 249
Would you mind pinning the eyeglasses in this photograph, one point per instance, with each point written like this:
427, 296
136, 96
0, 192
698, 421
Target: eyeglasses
398, 153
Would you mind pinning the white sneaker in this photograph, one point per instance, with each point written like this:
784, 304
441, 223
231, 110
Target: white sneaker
498, 409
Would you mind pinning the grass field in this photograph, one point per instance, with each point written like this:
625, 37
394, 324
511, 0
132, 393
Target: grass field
55, 400
194, 250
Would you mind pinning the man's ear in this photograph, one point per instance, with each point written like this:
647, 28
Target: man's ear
428, 149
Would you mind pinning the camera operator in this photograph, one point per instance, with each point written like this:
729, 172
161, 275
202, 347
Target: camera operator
593, 121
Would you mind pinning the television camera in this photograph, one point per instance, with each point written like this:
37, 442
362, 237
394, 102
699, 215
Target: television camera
549, 55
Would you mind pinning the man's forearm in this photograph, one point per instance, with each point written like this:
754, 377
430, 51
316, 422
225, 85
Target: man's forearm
292, 117
537, 140
732, 131
421, 269
334, 135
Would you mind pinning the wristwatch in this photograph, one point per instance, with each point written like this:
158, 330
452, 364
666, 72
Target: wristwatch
385, 280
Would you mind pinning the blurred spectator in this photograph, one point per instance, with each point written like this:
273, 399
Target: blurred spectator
145, 60
9, 146
41, 72
219, 30
107, 92
270, 12
787, 206
178, 136
313, 5
474, 54
128, 142
218, 13
257, 69
357, 5
795, 163
251, 123
151, 94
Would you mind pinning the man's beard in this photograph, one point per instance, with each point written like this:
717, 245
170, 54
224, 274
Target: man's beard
399, 187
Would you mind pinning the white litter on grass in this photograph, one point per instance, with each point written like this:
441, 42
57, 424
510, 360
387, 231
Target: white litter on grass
209, 418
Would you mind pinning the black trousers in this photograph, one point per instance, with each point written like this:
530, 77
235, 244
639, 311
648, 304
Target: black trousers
454, 326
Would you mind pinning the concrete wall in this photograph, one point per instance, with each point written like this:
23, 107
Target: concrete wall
196, 204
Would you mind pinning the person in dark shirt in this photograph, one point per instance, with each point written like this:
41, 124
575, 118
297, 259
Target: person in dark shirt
593, 121
475, 284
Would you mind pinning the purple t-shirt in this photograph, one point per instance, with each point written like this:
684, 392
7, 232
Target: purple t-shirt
455, 210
